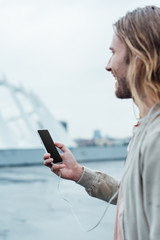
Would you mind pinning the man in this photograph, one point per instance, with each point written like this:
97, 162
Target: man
135, 64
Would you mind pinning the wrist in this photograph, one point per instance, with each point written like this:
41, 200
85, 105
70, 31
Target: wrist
78, 173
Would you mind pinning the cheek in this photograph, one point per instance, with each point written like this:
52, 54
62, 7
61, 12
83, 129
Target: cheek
117, 61
119, 65
122, 68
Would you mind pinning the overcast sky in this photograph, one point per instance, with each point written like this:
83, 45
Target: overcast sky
59, 50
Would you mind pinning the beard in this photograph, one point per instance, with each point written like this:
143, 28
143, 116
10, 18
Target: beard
123, 90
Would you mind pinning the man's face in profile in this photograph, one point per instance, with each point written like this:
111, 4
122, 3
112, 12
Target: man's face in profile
118, 66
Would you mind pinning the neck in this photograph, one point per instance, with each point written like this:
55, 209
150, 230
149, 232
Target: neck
143, 111
144, 107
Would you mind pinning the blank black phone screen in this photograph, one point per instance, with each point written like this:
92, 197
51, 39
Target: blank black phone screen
49, 145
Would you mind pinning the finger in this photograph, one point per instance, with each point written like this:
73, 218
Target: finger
57, 172
46, 156
56, 167
48, 162
61, 146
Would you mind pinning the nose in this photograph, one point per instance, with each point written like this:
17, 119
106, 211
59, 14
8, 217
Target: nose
108, 67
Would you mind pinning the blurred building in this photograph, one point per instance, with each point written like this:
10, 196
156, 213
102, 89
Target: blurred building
99, 140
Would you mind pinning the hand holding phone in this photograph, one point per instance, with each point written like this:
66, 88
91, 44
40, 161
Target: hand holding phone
69, 168
49, 145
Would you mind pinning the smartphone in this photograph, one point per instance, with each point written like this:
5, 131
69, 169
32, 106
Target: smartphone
49, 145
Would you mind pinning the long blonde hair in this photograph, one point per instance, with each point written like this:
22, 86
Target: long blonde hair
140, 31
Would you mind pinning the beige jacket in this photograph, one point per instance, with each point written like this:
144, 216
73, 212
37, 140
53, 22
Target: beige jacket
140, 182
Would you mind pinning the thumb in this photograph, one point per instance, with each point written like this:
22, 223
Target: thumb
61, 146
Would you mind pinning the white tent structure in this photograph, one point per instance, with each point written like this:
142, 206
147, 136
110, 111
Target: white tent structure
22, 113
